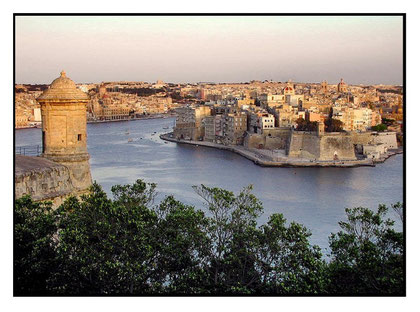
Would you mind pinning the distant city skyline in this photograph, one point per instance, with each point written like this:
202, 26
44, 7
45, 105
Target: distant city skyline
181, 49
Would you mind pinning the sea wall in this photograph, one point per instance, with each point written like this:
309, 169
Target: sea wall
328, 146
304, 145
336, 146
269, 139
389, 139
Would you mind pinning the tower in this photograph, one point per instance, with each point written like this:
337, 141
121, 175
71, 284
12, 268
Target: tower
64, 136
342, 86
324, 86
321, 127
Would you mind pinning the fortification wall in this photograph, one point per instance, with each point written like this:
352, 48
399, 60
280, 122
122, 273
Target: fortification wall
270, 139
362, 138
277, 138
304, 145
254, 140
295, 145
336, 146
185, 133
329, 146
272, 143
387, 138
42, 179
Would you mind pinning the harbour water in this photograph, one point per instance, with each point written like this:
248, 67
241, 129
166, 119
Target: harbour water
122, 152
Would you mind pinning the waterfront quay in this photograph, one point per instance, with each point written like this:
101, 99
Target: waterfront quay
277, 158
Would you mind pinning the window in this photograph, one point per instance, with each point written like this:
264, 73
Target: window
79, 137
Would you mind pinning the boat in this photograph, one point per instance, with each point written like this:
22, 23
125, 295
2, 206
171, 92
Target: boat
130, 140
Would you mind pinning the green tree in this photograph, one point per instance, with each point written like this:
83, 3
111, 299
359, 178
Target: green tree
332, 124
106, 247
246, 259
288, 264
181, 247
128, 245
380, 128
306, 125
367, 255
388, 121
232, 232
34, 246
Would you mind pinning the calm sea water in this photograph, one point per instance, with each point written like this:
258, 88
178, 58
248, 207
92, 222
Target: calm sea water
315, 197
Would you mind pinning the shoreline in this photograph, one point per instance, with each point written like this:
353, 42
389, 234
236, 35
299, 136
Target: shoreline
158, 116
266, 161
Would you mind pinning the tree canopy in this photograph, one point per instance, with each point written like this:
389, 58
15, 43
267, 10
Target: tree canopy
380, 128
306, 125
130, 245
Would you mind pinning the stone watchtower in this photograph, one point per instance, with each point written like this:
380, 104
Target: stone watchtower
63, 109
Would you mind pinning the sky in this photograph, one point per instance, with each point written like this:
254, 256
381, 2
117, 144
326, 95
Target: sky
179, 49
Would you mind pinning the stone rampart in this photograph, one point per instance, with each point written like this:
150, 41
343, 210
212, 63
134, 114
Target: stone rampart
269, 139
329, 146
336, 146
304, 145
42, 179
389, 139
254, 140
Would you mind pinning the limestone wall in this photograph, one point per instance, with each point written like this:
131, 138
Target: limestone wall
42, 179
369, 138
329, 146
254, 140
389, 139
270, 139
184, 133
362, 138
304, 145
340, 145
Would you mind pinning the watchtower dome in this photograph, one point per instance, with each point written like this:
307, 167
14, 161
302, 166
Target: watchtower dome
63, 110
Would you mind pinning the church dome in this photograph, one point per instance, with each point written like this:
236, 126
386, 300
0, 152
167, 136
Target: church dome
63, 88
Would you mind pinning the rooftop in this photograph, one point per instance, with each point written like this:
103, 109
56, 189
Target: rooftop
63, 88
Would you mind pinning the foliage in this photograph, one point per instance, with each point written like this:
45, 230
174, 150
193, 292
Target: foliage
34, 243
127, 245
106, 247
332, 124
388, 121
181, 247
288, 263
306, 125
232, 233
367, 255
380, 128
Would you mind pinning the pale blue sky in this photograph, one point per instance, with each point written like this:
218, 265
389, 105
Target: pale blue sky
364, 49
